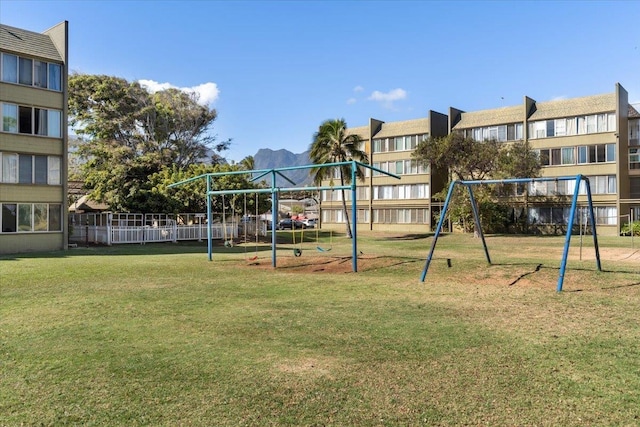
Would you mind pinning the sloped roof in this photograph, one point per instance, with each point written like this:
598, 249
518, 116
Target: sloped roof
497, 116
574, 107
85, 204
406, 127
633, 113
17, 40
362, 131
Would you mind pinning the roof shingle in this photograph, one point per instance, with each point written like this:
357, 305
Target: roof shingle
21, 41
497, 116
574, 107
407, 127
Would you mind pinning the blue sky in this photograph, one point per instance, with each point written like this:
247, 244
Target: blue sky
275, 70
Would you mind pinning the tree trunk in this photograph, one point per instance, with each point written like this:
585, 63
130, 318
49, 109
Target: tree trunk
344, 207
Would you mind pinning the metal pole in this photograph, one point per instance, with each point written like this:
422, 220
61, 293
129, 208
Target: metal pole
443, 213
476, 216
274, 218
633, 246
567, 241
593, 224
209, 222
354, 216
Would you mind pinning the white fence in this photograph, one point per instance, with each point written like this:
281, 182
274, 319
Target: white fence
112, 229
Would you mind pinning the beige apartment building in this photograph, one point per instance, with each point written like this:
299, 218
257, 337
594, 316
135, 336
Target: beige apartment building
596, 136
33, 139
384, 202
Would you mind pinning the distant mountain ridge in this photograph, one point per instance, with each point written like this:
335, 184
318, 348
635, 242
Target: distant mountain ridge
266, 158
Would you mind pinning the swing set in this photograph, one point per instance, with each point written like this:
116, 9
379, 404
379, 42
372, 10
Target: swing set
228, 235
320, 248
274, 191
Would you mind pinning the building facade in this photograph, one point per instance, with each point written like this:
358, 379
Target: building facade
596, 136
33, 139
384, 202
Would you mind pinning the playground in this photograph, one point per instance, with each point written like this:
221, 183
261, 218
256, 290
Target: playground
157, 334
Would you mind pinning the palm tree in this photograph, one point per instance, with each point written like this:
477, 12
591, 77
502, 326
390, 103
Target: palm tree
333, 144
248, 163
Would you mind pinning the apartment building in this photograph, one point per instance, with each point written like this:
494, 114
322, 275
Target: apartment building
596, 136
33, 139
384, 202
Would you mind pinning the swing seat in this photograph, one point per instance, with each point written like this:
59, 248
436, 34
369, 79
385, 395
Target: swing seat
228, 243
322, 249
253, 258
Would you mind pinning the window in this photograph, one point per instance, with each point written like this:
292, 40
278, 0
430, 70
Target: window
41, 170
24, 217
40, 222
29, 72
53, 175
30, 217
40, 74
25, 169
399, 167
55, 217
55, 77
634, 158
9, 68
550, 128
591, 124
378, 145
9, 218
9, 118
55, 121
25, 120
560, 127
9, 168
25, 71
28, 120
568, 156
611, 152
40, 121
399, 143
582, 154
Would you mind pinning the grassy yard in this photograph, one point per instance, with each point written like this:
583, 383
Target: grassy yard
158, 335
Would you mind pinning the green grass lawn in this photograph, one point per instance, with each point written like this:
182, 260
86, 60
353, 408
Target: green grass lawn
158, 335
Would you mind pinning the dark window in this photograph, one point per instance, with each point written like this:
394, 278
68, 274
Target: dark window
600, 153
635, 188
544, 157
25, 120
556, 158
9, 218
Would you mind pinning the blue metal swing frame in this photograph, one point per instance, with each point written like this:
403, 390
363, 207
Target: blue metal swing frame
574, 202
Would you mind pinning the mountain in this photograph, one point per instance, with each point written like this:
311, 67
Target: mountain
266, 158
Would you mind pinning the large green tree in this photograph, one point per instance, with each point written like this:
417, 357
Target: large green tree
467, 159
128, 134
333, 143
191, 197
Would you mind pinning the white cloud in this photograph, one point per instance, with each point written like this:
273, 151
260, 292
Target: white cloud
358, 88
351, 101
387, 99
207, 92
392, 95
559, 98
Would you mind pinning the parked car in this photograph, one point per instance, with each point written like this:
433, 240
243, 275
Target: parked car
310, 222
289, 223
